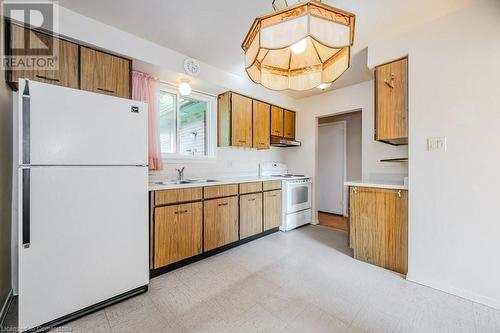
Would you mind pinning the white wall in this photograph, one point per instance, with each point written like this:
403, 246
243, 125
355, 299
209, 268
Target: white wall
229, 162
454, 220
357, 97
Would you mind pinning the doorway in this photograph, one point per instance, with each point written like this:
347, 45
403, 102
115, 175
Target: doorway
338, 160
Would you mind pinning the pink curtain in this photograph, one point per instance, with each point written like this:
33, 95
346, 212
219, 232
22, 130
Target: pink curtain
146, 89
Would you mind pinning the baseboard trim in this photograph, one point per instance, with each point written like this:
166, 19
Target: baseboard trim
490, 302
5, 307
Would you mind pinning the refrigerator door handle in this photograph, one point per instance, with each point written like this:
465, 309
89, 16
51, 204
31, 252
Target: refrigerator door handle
26, 124
26, 218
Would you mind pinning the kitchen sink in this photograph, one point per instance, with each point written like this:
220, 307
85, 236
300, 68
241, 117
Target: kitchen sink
187, 181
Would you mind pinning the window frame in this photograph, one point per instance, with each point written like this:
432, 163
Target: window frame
210, 125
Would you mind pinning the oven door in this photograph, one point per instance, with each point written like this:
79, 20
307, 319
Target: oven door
298, 196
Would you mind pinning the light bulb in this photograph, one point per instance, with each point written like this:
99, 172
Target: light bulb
184, 89
324, 86
299, 47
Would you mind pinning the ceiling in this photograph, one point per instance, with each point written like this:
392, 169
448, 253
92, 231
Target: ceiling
213, 30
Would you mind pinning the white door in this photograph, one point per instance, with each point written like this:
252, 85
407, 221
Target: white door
75, 127
88, 238
331, 165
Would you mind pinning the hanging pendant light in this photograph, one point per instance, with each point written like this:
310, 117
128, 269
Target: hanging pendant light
300, 46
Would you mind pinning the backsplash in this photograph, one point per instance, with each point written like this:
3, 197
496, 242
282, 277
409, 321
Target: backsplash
229, 162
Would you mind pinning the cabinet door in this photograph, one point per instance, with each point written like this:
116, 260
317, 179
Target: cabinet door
66, 73
241, 121
178, 233
272, 209
261, 125
104, 73
276, 121
289, 118
220, 222
392, 102
380, 227
250, 215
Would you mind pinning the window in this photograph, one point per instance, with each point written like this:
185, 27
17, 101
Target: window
187, 124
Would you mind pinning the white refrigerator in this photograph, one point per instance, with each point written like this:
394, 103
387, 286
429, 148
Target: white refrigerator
81, 202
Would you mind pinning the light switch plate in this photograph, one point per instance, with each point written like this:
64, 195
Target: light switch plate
436, 144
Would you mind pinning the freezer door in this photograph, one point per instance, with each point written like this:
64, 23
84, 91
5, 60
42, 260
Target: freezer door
83, 238
63, 126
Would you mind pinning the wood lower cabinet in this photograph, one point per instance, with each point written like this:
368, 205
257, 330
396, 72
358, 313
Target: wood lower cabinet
178, 233
272, 209
379, 227
391, 102
220, 222
261, 125
104, 73
250, 215
289, 125
277, 127
66, 70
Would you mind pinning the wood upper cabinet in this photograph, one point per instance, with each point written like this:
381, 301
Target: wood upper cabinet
379, 227
104, 73
289, 124
250, 215
261, 125
235, 120
277, 127
220, 222
272, 209
391, 109
178, 233
66, 71
241, 121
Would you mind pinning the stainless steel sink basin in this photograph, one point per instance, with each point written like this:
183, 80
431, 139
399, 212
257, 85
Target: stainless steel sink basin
187, 181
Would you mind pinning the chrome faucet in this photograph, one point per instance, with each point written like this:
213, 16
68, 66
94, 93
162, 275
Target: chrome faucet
180, 173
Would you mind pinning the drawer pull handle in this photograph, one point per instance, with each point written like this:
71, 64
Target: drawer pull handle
251, 199
223, 204
242, 141
106, 90
181, 211
47, 78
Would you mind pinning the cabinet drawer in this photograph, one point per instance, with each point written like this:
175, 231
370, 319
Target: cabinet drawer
220, 222
178, 233
272, 185
250, 187
177, 195
219, 191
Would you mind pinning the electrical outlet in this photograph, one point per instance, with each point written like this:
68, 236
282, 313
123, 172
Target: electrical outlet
436, 144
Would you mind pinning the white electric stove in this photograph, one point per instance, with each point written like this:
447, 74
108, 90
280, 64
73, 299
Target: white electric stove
297, 193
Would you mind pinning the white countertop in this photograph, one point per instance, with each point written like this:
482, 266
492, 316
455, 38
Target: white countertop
153, 186
394, 185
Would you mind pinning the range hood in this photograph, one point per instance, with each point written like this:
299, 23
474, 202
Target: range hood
277, 141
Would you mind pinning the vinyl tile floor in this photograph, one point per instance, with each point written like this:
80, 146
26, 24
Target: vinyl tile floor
297, 282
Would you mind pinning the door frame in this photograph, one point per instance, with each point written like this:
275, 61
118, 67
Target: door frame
344, 171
